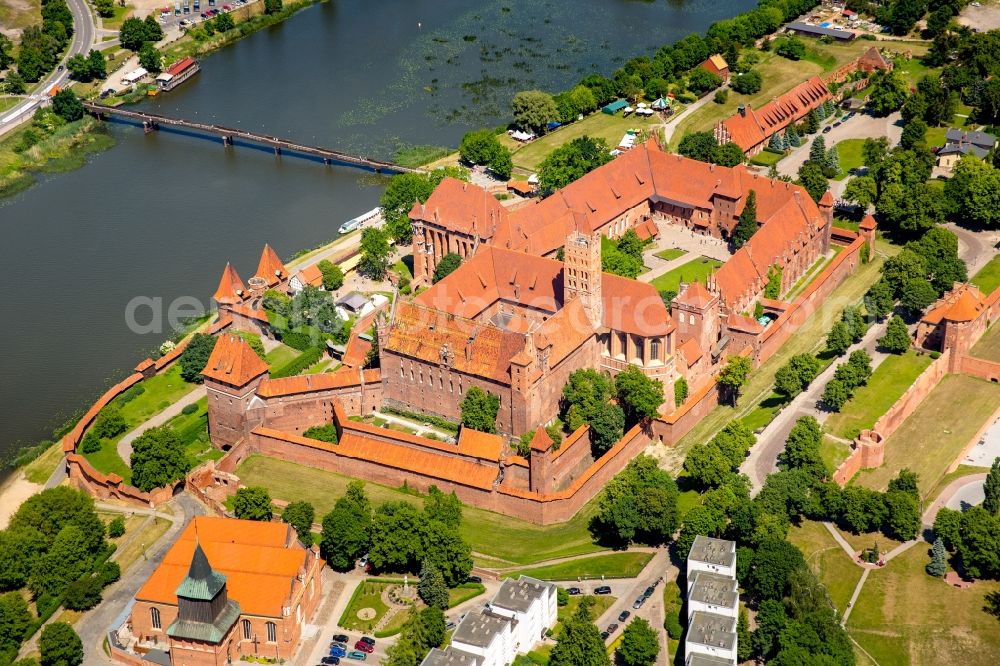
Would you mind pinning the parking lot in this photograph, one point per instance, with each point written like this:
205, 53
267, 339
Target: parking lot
986, 450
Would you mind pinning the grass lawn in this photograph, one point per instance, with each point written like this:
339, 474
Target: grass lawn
764, 413
849, 152
809, 338
766, 158
464, 592
115, 21
833, 452
108, 461
600, 604
670, 253
507, 540
937, 432
912, 70
871, 401
40, 469
612, 565
367, 595
903, 616
988, 277
143, 541
935, 136
597, 125
828, 561
160, 392
280, 355
695, 270
17, 15
988, 346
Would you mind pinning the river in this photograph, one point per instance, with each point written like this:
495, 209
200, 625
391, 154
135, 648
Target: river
158, 216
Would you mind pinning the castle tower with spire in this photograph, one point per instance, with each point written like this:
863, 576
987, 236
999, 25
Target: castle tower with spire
205, 628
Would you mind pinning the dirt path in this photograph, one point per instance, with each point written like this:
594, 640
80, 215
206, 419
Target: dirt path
158, 419
14, 491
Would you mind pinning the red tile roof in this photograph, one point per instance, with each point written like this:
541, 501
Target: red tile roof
756, 126
691, 352
695, 295
480, 444
233, 362
311, 275
270, 267
463, 207
180, 66
868, 223
964, 303
541, 441
321, 381
261, 562
231, 287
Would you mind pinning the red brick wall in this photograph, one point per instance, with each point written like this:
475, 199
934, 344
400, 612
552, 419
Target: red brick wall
978, 367
889, 422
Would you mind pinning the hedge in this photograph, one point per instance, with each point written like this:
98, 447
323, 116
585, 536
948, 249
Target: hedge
304, 360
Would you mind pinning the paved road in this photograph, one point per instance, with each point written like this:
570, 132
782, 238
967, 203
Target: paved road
763, 458
674, 121
975, 248
83, 39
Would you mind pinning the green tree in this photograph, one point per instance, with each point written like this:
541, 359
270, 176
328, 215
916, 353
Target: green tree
533, 110
272, 6
443, 507
106, 8
680, 391
862, 190
398, 530
903, 515
479, 410
748, 83
194, 358
584, 392
432, 588
579, 644
158, 459
443, 546
607, 426
347, 528
802, 448
152, 30
791, 48
83, 593
938, 565
570, 161
502, 163
728, 154
812, 179
109, 423
817, 150
15, 619
698, 146
747, 225
835, 394
640, 644
708, 466
60, 645
253, 503
150, 58
132, 33
888, 93
638, 505
67, 105
879, 300
116, 527
796, 375
224, 22
78, 68
914, 134
773, 287
375, 253
991, 488
639, 396
446, 266
300, 515
398, 198
14, 83
735, 375
773, 564
333, 276
479, 146
917, 294
897, 338
700, 80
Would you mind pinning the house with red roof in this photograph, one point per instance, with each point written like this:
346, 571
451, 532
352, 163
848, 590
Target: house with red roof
751, 129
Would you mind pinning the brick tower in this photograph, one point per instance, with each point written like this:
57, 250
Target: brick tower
582, 274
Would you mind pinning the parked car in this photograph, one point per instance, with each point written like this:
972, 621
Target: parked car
474, 579
327, 661
449, 625
363, 562
612, 628
604, 635
648, 592
342, 646
826, 130
338, 650
638, 603
573, 591
603, 589
358, 656
367, 639
624, 615
340, 638
364, 647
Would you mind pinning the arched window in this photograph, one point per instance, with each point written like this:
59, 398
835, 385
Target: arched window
154, 617
272, 632
654, 349
247, 630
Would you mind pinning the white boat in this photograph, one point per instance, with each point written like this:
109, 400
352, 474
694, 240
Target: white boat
351, 225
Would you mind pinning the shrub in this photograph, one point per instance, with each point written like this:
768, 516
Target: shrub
190, 409
673, 626
324, 433
132, 394
83, 594
304, 360
116, 527
109, 573
91, 443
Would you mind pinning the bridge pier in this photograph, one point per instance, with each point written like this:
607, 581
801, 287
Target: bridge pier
327, 161
227, 141
277, 151
147, 127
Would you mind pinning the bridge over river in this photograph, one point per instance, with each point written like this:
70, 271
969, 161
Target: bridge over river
151, 122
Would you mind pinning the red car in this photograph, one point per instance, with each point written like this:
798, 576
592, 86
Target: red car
364, 647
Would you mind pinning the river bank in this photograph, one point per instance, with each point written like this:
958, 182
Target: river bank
14, 490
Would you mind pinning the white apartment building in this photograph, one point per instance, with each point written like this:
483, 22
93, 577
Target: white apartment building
716, 556
713, 603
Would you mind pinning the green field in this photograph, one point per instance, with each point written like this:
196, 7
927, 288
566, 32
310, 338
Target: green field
833, 452
108, 461
889, 381
40, 469
597, 125
937, 432
612, 565
988, 277
367, 595
280, 355
695, 270
766, 158
988, 346
840, 575
160, 392
849, 152
905, 617
670, 254
504, 541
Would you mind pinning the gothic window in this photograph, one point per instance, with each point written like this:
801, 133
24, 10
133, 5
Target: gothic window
654, 349
272, 632
154, 616
692, 319
247, 630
